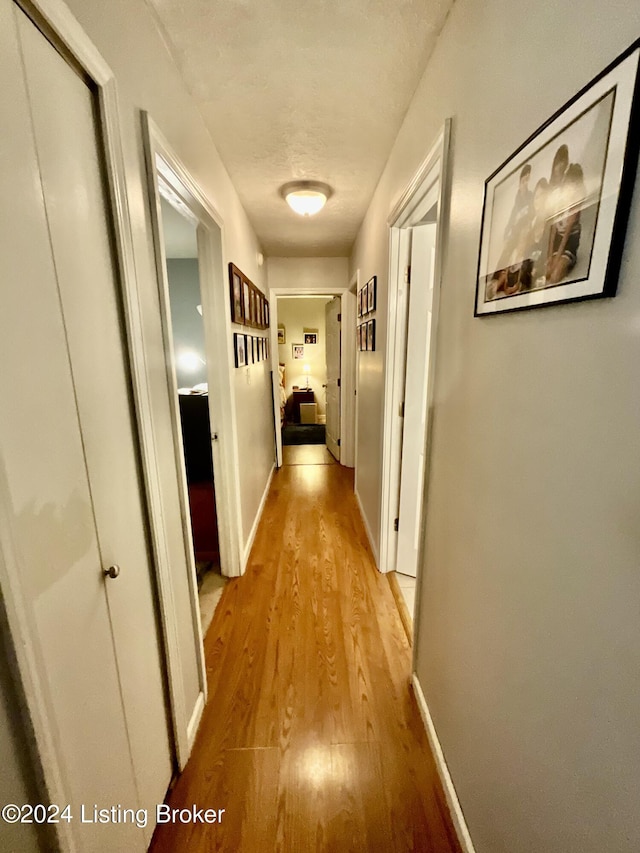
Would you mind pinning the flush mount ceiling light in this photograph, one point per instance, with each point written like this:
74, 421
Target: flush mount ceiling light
305, 197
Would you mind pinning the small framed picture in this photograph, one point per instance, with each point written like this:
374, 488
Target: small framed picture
246, 294
359, 303
240, 350
256, 308
371, 336
254, 348
311, 337
266, 348
261, 310
297, 350
235, 284
371, 294
266, 314
365, 299
282, 335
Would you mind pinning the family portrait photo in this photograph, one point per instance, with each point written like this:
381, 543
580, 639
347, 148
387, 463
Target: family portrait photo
544, 213
554, 212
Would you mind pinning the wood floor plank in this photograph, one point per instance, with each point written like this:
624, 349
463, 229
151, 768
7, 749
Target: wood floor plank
311, 739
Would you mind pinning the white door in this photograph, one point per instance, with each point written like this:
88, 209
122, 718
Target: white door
423, 246
68, 444
332, 332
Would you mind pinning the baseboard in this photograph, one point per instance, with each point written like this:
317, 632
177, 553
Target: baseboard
445, 777
194, 722
401, 604
367, 530
256, 522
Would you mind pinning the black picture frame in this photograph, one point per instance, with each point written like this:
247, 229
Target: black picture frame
371, 336
239, 348
372, 294
563, 241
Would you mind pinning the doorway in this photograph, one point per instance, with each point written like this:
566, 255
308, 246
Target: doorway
415, 244
189, 353
302, 364
314, 336
209, 420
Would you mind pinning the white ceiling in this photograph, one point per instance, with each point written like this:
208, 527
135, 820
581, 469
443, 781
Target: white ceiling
303, 89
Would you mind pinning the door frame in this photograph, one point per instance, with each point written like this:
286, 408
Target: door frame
55, 19
347, 365
165, 169
406, 213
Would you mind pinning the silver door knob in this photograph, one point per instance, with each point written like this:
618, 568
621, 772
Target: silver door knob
112, 572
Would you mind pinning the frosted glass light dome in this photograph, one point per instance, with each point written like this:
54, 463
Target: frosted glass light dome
306, 198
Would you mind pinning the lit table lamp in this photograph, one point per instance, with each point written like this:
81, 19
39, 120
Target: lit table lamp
306, 370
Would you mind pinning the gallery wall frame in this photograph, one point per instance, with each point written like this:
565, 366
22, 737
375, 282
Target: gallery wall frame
555, 212
240, 349
249, 306
371, 294
236, 293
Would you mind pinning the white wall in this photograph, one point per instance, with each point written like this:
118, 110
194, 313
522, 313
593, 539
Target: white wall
307, 274
126, 34
296, 315
528, 633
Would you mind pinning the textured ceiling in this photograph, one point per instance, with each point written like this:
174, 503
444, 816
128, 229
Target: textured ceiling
303, 89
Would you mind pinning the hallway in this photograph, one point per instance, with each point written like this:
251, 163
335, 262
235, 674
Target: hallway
311, 739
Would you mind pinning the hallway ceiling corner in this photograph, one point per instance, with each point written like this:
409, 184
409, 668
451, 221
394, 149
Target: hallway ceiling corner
312, 91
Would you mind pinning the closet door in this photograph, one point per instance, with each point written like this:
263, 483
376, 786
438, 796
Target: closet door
45, 492
66, 127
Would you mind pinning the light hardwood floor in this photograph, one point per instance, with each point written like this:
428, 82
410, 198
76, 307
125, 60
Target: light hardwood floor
311, 739
307, 454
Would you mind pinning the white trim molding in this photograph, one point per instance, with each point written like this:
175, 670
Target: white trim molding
405, 213
367, 530
457, 815
256, 521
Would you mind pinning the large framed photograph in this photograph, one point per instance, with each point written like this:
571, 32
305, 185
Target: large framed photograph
555, 213
297, 350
